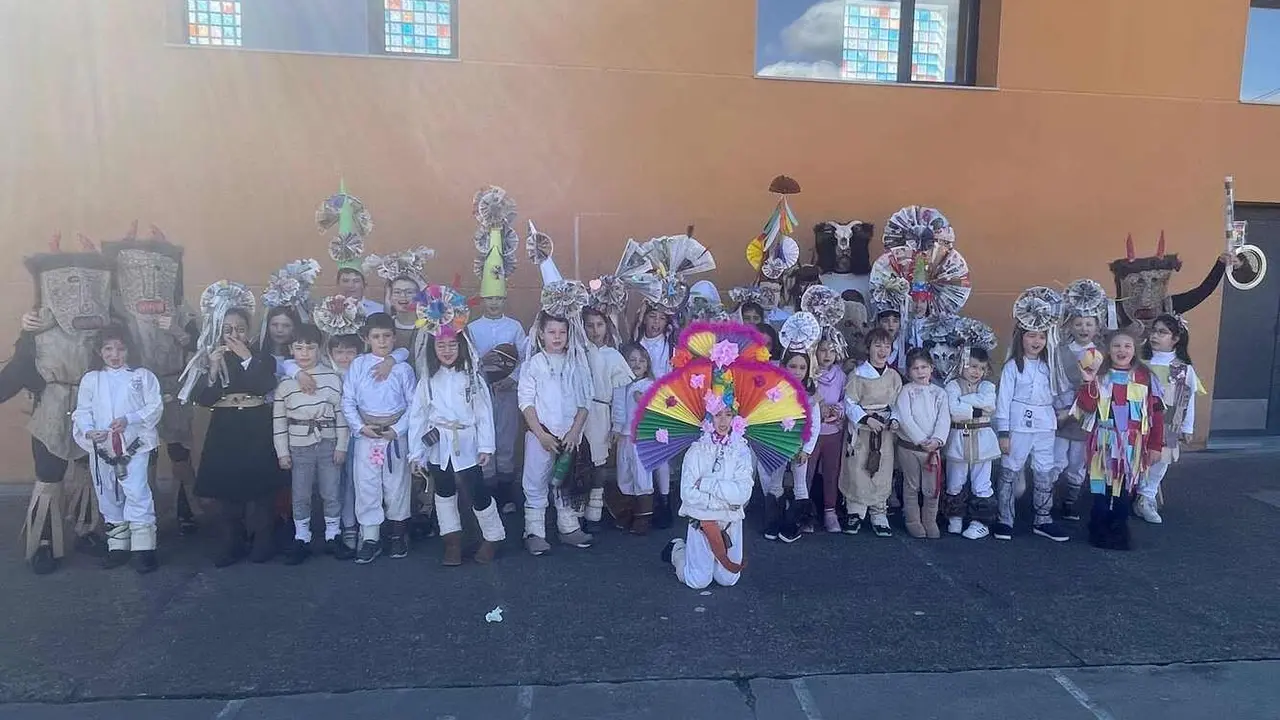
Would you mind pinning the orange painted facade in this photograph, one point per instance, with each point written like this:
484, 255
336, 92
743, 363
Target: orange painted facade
628, 118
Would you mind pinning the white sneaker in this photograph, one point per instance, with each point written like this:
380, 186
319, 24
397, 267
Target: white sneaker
955, 525
976, 530
1145, 508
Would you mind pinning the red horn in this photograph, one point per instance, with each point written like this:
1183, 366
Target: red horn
1160, 245
1128, 247
85, 243
133, 231
55, 242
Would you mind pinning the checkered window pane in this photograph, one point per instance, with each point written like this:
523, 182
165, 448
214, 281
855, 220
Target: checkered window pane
213, 22
871, 40
419, 27
929, 44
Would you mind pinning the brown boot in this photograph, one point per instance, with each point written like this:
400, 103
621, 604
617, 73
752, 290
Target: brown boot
452, 549
643, 514
930, 517
484, 553
911, 512
621, 507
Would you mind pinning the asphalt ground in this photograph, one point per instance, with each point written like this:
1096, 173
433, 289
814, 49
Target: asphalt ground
1197, 593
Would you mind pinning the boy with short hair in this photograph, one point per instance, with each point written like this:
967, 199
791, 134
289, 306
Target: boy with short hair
343, 349
376, 413
351, 283
310, 434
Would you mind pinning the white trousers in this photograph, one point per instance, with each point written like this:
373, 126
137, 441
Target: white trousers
696, 566
506, 428
1034, 446
1069, 462
771, 483
977, 475
127, 503
633, 479
382, 488
1149, 484
662, 479
536, 482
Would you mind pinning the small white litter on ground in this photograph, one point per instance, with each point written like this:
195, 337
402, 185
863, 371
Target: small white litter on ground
494, 615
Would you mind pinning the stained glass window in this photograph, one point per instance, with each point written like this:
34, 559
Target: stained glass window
420, 27
213, 22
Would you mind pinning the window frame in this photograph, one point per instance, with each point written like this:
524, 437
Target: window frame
1266, 98
176, 35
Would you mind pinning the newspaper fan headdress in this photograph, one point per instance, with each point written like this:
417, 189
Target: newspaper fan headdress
660, 269
353, 222
495, 240
411, 264
339, 315
1040, 309
215, 302
290, 287
828, 307
773, 252
1087, 298
800, 333
918, 227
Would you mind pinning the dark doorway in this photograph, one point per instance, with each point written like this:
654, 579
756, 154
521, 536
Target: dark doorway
1246, 391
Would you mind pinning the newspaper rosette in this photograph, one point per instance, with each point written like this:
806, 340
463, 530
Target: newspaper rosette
608, 294
824, 303
495, 213
703, 309
339, 315
331, 211
442, 311
800, 332
565, 299
291, 284
971, 333
1085, 298
918, 228
346, 249
766, 298
1038, 309
939, 276
409, 263
538, 245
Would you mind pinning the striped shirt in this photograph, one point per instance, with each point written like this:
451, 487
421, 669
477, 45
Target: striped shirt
301, 419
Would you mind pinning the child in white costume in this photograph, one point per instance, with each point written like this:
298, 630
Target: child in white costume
554, 393
117, 410
609, 372
924, 423
1025, 418
1170, 361
971, 446
1086, 305
632, 506
451, 426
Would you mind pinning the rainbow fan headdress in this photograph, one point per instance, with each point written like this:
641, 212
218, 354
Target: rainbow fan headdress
720, 365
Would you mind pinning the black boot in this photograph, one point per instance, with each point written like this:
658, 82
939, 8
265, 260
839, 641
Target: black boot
231, 535
297, 553
771, 522
144, 561
399, 545
186, 517
114, 559
43, 562
262, 530
661, 511
788, 518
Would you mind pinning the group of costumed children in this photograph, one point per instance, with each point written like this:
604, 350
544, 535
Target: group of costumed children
850, 375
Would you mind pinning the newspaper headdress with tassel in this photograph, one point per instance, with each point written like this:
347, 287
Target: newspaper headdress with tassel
1040, 309
338, 315
828, 307
495, 240
290, 287
353, 224
443, 313
800, 333
215, 302
562, 300
1087, 298
774, 252
660, 269
408, 264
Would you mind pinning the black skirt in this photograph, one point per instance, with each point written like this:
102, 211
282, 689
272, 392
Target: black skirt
239, 463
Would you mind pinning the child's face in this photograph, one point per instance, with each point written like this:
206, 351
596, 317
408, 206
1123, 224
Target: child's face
722, 421
446, 351
235, 328
1162, 338
798, 366
878, 352
304, 353
402, 292
280, 330
974, 371
921, 372
114, 354
655, 323
750, 316
382, 341
554, 335
1033, 344
597, 329
638, 361
1084, 330
826, 355
494, 307
919, 308
342, 356
351, 285
890, 324
1122, 351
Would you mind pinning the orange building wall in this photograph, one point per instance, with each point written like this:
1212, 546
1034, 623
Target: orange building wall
637, 117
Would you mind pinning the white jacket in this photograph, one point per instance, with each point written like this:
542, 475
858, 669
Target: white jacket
716, 481
922, 414
104, 395
962, 407
466, 428
1025, 400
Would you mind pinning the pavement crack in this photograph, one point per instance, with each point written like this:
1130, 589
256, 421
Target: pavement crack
748, 695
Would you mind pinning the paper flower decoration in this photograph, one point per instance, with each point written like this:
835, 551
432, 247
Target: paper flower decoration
697, 380
347, 212
1038, 309
339, 315
800, 332
409, 263
346, 249
723, 353
1085, 298
565, 298
660, 269
662, 436
442, 311
918, 228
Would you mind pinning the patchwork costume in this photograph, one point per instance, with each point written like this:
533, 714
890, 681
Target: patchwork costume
1081, 298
